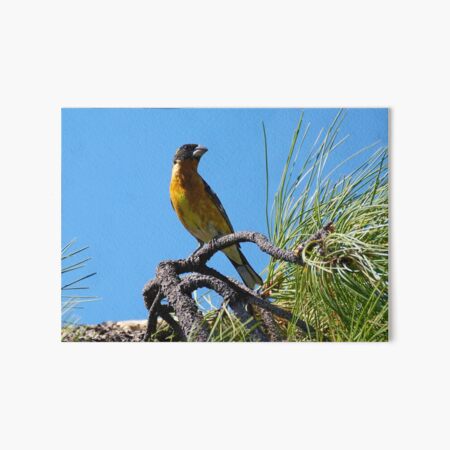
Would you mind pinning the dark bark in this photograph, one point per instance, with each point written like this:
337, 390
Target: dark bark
190, 324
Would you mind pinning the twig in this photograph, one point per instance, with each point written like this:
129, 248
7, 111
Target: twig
152, 300
319, 236
164, 312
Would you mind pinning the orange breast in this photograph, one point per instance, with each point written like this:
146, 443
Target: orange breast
194, 206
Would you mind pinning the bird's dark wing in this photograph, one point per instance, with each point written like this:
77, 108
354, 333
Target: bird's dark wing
218, 204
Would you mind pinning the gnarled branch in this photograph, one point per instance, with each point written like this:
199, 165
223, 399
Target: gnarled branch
190, 324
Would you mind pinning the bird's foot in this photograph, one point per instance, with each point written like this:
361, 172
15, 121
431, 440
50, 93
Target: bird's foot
213, 241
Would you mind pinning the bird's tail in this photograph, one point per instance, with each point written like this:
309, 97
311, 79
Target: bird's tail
246, 272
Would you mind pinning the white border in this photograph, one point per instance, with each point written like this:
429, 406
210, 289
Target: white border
197, 53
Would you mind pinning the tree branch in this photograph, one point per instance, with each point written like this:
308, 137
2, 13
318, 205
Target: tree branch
191, 324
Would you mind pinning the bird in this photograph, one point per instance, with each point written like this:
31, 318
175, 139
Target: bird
200, 210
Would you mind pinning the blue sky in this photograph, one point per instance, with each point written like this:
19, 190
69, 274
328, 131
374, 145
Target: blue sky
116, 166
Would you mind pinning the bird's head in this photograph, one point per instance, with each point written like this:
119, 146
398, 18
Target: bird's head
189, 152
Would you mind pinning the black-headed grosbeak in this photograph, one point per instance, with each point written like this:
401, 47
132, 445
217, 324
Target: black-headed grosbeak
200, 211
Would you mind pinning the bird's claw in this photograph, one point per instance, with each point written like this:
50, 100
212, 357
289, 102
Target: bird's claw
213, 242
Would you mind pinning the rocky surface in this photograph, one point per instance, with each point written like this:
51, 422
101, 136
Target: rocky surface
126, 331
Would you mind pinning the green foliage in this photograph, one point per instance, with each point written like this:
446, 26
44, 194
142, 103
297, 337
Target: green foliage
72, 262
342, 291
224, 325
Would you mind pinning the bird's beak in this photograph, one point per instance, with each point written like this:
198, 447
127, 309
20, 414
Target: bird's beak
199, 151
